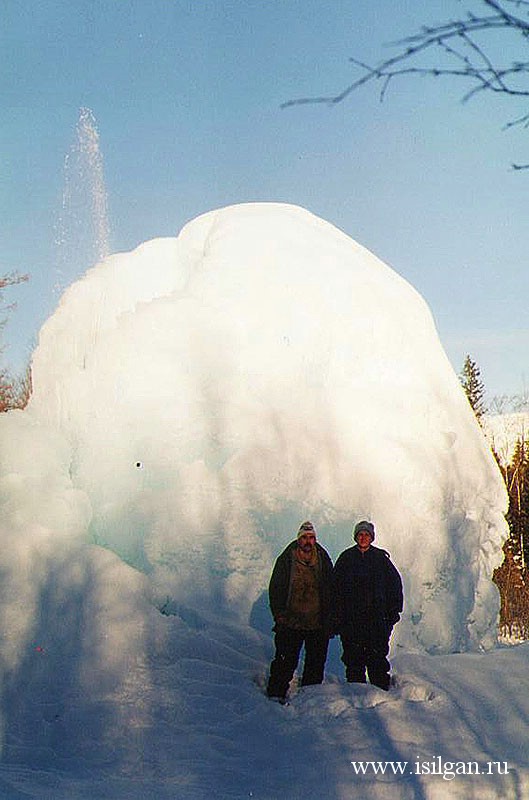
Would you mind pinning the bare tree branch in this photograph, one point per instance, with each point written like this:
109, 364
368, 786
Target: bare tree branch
14, 392
462, 41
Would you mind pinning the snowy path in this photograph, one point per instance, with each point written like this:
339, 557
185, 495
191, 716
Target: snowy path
190, 723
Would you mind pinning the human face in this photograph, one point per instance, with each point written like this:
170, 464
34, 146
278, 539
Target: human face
363, 540
307, 542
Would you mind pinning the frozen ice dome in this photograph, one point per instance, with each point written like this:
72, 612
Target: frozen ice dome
217, 388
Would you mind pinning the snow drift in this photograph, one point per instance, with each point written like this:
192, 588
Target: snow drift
204, 394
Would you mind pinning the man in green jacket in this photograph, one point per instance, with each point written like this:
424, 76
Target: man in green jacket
300, 601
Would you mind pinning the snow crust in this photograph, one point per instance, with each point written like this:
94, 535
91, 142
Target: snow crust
194, 401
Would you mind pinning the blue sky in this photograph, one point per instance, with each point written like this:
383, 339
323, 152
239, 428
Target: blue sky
187, 96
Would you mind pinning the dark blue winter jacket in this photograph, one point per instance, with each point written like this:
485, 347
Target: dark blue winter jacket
367, 587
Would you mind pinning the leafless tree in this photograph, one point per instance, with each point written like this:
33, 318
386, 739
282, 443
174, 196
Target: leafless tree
468, 48
14, 392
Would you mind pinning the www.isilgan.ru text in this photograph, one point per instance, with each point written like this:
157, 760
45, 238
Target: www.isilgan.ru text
448, 770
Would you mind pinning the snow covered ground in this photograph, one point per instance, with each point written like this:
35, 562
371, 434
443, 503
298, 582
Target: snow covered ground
188, 720
193, 402
504, 431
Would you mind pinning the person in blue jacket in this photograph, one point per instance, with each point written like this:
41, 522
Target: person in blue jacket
368, 598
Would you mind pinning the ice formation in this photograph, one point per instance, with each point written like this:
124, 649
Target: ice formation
196, 399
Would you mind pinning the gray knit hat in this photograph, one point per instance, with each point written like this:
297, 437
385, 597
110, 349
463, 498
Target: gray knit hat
364, 525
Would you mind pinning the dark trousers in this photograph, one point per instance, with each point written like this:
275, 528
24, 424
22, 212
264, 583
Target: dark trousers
365, 647
289, 642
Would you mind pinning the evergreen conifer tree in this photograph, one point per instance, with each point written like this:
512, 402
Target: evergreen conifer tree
473, 386
517, 480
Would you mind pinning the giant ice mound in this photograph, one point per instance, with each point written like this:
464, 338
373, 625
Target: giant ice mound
205, 394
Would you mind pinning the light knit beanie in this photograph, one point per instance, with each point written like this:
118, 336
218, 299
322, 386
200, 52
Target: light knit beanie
306, 527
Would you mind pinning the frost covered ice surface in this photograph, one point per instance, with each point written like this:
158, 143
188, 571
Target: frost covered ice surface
194, 400
258, 369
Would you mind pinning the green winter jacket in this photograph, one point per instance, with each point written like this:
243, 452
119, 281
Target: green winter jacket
280, 583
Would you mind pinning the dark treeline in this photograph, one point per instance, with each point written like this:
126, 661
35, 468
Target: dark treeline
512, 577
